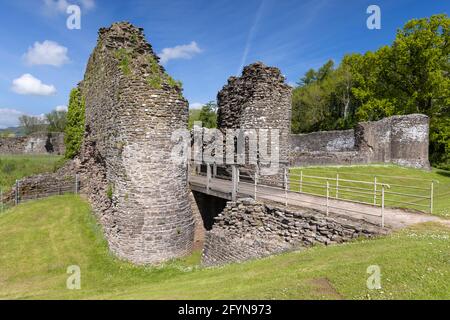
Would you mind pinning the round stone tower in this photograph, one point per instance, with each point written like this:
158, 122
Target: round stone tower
132, 108
259, 99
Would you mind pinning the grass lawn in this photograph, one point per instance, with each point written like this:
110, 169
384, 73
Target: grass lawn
40, 239
14, 167
402, 180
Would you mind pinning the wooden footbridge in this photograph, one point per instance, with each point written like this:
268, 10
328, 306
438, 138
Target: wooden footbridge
288, 192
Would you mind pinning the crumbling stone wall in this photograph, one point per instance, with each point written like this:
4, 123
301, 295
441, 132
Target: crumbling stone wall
36, 143
248, 230
132, 108
259, 99
41, 186
401, 140
330, 141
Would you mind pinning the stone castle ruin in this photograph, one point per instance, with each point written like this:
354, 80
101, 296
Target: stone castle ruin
36, 143
142, 198
132, 108
401, 140
258, 100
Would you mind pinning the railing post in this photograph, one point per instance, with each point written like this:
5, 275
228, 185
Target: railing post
301, 181
375, 191
337, 185
76, 183
328, 197
285, 187
16, 200
431, 196
234, 182
208, 177
238, 180
256, 182
382, 205
214, 170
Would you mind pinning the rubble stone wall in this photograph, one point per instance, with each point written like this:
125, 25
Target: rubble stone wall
402, 140
37, 143
247, 229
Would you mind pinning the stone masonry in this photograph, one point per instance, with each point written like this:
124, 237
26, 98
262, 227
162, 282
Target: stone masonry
132, 108
259, 99
401, 140
36, 143
248, 230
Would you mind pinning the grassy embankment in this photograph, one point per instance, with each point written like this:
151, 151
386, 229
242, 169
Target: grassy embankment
40, 239
402, 180
16, 167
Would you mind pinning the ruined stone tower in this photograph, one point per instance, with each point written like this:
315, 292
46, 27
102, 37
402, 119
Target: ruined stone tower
132, 108
259, 99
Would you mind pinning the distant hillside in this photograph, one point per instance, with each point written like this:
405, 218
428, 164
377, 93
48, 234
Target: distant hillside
18, 131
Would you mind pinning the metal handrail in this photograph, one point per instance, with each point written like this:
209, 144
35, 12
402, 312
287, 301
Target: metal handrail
364, 174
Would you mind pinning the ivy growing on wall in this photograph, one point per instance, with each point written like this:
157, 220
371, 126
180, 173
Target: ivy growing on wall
75, 124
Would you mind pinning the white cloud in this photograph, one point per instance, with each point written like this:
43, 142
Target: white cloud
60, 6
196, 105
9, 118
47, 53
61, 108
88, 4
29, 85
185, 51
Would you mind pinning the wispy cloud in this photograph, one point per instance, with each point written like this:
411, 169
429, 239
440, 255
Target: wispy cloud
46, 53
29, 85
9, 117
61, 108
196, 105
250, 35
185, 51
60, 6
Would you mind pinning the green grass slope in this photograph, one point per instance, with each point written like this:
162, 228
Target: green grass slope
14, 167
402, 180
40, 239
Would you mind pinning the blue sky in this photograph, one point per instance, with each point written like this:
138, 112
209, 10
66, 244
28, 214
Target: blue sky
208, 41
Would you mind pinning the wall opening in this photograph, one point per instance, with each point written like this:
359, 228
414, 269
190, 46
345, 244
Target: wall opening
209, 207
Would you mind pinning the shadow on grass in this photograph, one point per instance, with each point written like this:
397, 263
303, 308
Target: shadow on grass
443, 173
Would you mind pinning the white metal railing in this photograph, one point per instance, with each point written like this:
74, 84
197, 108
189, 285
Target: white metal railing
281, 187
373, 193
328, 187
413, 198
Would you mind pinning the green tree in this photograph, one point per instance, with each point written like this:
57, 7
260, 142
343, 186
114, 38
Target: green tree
208, 115
194, 115
56, 120
74, 130
410, 76
32, 124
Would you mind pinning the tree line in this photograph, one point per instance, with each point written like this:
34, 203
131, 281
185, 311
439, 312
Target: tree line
54, 121
409, 76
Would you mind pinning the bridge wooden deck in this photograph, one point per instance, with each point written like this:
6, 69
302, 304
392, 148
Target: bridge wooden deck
393, 218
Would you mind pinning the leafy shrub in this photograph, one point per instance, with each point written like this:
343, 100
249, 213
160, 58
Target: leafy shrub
124, 58
75, 124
